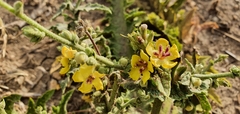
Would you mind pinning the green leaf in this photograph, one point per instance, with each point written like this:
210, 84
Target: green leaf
10, 100
2, 106
173, 34
160, 86
44, 98
224, 82
176, 93
61, 9
31, 107
178, 73
206, 106
33, 33
18, 7
62, 107
155, 20
168, 107
118, 26
166, 79
95, 6
185, 78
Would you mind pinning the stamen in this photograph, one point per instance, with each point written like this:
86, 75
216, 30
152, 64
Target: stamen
155, 53
90, 79
167, 50
160, 49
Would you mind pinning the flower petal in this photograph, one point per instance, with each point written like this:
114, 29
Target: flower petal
144, 56
64, 51
134, 60
68, 52
97, 83
173, 53
64, 61
85, 87
135, 73
156, 61
168, 64
77, 77
150, 49
146, 76
64, 70
96, 74
161, 42
150, 67
71, 53
86, 70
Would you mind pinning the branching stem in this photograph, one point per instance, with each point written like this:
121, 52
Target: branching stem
53, 35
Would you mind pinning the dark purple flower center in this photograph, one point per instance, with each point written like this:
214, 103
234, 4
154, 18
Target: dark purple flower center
161, 54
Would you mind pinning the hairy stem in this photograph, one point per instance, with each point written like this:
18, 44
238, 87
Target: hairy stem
219, 75
114, 92
125, 105
53, 35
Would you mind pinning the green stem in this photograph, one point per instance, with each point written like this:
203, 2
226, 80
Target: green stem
125, 105
114, 92
156, 106
53, 35
219, 75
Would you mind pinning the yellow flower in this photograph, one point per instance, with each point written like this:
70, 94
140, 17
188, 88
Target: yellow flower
141, 66
68, 54
89, 77
87, 98
161, 54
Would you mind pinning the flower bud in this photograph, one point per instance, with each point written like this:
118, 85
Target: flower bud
196, 81
143, 31
66, 34
235, 71
92, 61
97, 93
81, 57
189, 107
75, 38
140, 92
33, 33
89, 51
123, 61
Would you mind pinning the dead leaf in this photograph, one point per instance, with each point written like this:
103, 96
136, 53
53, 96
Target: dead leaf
3, 35
238, 98
55, 65
188, 25
56, 75
191, 26
53, 85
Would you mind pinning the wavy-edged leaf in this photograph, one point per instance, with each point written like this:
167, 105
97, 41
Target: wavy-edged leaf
62, 107
206, 106
10, 100
155, 20
44, 98
31, 107
166, 79
185, 78
160, 86
33, 33
173, 34
2, 106
118, 27
95, 6
168, 107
